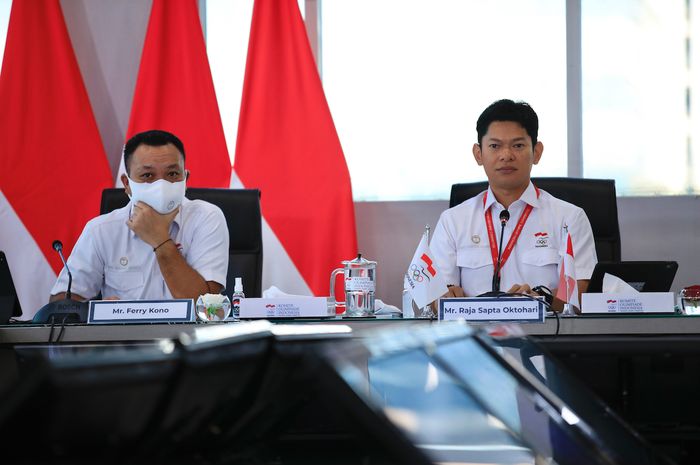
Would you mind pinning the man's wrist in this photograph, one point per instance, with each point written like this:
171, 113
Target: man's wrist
161, 244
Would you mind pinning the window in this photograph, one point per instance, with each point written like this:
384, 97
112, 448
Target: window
228, 28
637, 123
227, 34
5, 6
407, 79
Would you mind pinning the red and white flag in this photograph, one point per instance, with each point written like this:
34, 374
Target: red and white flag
288, 147
53, 166
175, 92
422, 279
568, 286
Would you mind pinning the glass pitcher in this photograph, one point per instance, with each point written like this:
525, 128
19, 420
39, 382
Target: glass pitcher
359, 278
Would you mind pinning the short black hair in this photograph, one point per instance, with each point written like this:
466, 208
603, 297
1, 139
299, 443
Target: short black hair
152, 138
508, 110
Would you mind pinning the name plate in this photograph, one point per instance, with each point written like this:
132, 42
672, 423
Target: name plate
643, 302
489, 309
286, 307
140, 311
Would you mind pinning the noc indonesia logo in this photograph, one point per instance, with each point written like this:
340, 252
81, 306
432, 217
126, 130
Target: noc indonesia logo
420, 271
541, 239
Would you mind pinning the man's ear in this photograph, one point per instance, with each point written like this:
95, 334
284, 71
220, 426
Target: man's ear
187, 175
125, 182
537, 153
476, 151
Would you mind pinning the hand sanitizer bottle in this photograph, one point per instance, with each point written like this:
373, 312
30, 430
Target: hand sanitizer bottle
407, 304
236, 299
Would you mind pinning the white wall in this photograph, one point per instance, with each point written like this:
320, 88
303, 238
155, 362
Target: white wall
652, 228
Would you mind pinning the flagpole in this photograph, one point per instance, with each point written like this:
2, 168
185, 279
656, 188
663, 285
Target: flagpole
427, 311
567, 310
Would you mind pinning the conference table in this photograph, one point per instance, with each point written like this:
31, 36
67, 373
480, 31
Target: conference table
581, 327
646, 367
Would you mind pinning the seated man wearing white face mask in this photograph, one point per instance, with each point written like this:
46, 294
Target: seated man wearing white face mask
161, 245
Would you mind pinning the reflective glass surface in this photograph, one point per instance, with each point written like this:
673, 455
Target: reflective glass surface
459, 402
440, 416
597, 417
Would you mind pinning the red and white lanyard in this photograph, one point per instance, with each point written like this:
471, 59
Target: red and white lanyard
513, 237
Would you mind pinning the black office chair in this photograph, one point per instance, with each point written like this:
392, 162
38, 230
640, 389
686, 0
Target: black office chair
9, 302
596, 197
241, 208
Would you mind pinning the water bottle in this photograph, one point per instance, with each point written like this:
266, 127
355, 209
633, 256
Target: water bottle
236, 298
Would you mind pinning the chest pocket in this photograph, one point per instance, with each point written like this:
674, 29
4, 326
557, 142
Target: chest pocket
541, 257
124, 280
474, 258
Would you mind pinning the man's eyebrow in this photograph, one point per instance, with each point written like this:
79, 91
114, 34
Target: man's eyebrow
515, 139
174, 165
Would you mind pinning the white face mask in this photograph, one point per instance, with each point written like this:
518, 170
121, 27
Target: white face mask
163, 196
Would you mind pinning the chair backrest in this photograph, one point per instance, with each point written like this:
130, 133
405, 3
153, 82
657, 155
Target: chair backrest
9, 302
241, 208
596, 197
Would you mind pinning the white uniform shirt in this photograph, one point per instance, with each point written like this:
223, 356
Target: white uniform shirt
110, 258
462, 252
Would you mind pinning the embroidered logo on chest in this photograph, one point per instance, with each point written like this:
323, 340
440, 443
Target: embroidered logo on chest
541, 239
123, 261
